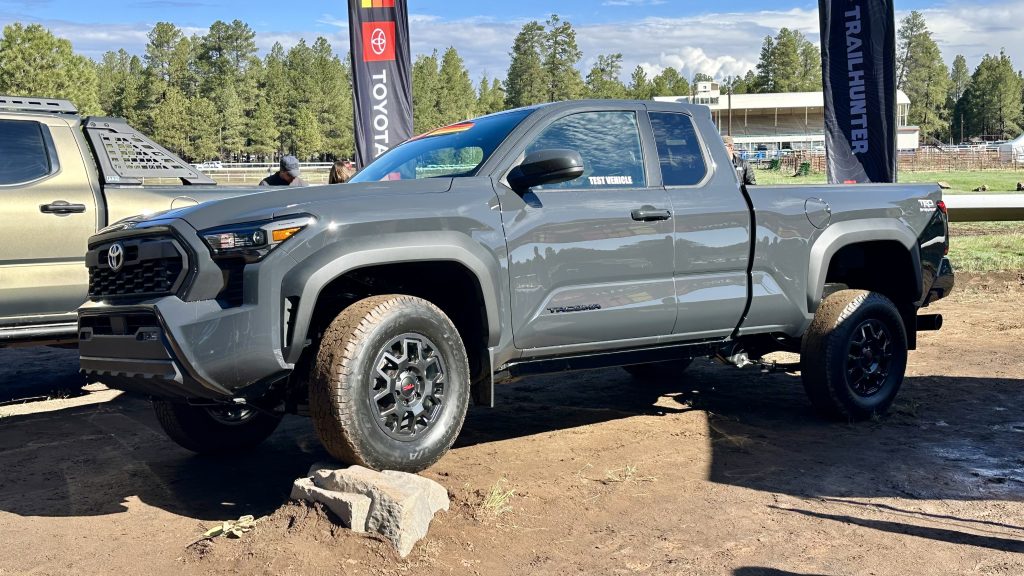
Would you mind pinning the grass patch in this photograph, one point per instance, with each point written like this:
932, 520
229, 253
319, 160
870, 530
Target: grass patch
496, 501
998, 181
987, 253
626, 474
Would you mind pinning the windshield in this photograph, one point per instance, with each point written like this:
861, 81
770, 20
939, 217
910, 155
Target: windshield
452, 151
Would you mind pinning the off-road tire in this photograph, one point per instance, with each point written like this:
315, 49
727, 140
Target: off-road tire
341, 388
659, 371
196, 429
832, 368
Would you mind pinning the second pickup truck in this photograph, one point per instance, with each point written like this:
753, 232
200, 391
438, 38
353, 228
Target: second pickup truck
556, 237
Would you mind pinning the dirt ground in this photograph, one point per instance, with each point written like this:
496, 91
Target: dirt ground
725, 471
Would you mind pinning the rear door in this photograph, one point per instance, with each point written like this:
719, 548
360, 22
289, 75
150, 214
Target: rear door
586, 265
712, 226
49, 212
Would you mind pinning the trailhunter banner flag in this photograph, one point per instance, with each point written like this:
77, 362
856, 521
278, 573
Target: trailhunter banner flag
379, 33
858, 73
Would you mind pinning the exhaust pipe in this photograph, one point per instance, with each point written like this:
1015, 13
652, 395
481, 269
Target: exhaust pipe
929, 322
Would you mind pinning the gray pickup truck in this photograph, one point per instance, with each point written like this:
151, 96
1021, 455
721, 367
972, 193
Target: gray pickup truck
557, 237
63, 178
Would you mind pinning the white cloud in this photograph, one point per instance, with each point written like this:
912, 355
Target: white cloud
716, 43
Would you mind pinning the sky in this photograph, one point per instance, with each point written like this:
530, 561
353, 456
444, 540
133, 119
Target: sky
720, 39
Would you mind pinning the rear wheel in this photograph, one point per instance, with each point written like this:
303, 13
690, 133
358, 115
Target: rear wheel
214, 430
854, 355
659, 371
390, 387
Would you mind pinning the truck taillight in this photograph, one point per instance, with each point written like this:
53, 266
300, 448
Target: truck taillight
942, 207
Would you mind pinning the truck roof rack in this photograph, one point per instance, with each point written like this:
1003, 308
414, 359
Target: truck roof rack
27, 104
126, 156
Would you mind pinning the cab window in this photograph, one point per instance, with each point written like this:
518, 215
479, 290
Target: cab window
608, 142
23, 154
679, 150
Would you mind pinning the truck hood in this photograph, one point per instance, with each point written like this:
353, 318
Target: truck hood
278, 202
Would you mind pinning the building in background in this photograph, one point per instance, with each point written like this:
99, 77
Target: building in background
782, 121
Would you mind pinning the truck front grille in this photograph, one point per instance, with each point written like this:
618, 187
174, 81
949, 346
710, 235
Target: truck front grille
149, 267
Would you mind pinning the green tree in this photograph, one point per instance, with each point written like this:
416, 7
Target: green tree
458, 98
426, 89
603, 79
203, 140
992, 101
922, 75
765, 67
912, 28
560, 59
34, 62
640, 88
171, 119
670, 83
491, 96
527, 79
231, 122
120, 82
262, 132
959, 79
307, 138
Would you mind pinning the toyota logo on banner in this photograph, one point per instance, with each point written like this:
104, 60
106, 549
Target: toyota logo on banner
115, 256
378, 41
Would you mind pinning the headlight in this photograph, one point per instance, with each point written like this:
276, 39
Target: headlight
253, 240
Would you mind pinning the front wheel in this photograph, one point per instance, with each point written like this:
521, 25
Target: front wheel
854, 355
390, 386
214, 430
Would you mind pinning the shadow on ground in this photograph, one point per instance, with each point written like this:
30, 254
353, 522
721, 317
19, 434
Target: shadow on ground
38, 373
947, 438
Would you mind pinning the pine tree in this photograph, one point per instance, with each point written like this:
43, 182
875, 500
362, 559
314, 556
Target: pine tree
766, 67
527, 80
307, 138
231, 123
171, 121
457, 100
639, 87
912, 28
992, 101
34, 62
426, 90
603, 79
959, 78
120, 77
922, 75
560, 60
491, 96
670, 83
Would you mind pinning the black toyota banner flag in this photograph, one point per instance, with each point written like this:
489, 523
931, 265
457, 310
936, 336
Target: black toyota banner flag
858, 73
379, 32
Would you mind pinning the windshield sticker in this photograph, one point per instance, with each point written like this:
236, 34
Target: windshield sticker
610, 180
453, 129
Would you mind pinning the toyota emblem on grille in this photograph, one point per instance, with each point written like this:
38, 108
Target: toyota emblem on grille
115, 256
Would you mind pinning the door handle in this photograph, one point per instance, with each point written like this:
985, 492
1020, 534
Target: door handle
650, 214
61, 207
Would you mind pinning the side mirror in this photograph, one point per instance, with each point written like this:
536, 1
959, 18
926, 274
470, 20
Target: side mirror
546, 167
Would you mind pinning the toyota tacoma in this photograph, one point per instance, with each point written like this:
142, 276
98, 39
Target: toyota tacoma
556, 237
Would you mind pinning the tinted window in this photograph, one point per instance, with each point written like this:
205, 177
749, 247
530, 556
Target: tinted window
23, 155
682, 162
456, 150
609, 143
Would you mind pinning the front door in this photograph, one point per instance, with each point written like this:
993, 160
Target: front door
591, 259
49, 212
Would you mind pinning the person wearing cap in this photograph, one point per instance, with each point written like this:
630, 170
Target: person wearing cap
744, 171
288, 175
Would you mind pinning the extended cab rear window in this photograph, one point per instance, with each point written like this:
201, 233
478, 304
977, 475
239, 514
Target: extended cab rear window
23, 152
452, 151
679, 150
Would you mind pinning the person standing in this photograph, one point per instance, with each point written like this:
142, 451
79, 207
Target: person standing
744, 171
288, 175
341, 172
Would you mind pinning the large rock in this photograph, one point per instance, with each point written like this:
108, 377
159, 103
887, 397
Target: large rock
399, 505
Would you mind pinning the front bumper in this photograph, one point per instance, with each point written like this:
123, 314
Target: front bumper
190, 346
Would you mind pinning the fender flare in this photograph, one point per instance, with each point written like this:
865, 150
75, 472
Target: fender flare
312, 275
843, 234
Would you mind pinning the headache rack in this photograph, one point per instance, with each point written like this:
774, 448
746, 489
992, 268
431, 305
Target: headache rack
28, 104
126, 156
